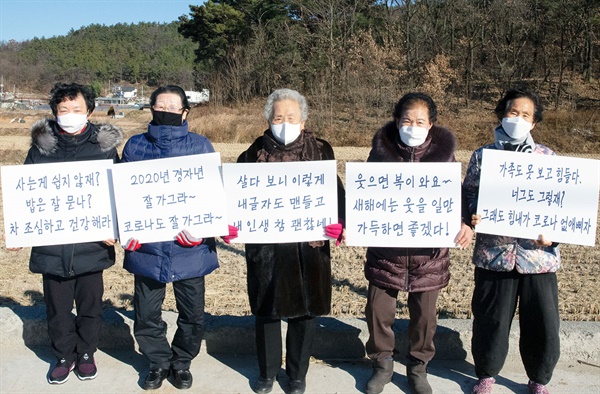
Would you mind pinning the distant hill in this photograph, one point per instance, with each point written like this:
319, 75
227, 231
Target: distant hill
148, 53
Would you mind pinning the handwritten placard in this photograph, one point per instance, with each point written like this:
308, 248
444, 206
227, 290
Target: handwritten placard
525, 195
281, 202
156, 199
57, 203
403, 204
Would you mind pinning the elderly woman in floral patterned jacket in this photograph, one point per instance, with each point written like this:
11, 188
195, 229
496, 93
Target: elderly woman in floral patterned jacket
510, 270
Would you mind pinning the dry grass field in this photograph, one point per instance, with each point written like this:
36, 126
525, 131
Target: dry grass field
231, 130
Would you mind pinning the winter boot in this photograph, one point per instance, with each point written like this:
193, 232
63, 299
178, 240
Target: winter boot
382, 375
417, 378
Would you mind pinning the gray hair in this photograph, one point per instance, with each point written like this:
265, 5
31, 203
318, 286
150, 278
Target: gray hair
286, 94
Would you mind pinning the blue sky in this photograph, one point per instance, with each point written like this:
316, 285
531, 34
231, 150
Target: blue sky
25, 19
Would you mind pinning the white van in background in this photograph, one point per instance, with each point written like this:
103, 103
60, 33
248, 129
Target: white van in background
197, 97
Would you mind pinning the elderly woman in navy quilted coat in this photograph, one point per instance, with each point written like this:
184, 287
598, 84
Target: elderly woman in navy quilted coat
183, 262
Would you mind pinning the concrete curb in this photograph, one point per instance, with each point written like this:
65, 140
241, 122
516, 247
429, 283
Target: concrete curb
337, 338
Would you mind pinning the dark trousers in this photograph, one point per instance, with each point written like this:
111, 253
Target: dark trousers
150, 330
298, 345
494, 304
70, 335
381, 314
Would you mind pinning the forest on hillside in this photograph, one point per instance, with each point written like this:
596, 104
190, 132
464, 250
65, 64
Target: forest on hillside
360, 55
144, 53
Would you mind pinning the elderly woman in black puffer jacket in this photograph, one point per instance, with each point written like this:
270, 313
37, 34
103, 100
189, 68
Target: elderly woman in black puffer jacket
73, 272
422, 272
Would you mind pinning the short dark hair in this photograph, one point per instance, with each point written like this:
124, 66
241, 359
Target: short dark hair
69, 91
170, 89
515, 93
410, 100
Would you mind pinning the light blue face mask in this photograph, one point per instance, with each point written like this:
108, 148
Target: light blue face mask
286, 133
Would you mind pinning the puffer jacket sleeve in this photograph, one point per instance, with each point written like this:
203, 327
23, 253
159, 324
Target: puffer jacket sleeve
205, 145
470, 186
126, 154
29, 159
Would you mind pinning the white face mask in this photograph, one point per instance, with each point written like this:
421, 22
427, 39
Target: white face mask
516, 128
72, 123
286, 133
413, 135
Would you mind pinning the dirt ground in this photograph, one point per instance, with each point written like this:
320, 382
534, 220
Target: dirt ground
579, 298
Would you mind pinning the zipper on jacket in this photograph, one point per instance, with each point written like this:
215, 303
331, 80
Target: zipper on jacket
71, 272
406, 276
412, 159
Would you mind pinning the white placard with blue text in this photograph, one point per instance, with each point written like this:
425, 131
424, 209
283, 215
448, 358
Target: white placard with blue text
57, 203
525, 195
403, 204
156, 199
281, 202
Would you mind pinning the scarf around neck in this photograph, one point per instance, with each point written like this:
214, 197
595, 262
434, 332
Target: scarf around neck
504, 142
305, 148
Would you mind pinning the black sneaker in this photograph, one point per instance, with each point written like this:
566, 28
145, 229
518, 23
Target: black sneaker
86, 367
60, 372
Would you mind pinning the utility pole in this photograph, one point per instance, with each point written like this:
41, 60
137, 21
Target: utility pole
2, 87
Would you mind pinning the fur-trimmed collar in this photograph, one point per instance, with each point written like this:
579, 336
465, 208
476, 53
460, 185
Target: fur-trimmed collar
45, 135
386, 145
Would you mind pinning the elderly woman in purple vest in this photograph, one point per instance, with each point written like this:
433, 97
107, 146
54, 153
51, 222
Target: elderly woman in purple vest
411, 136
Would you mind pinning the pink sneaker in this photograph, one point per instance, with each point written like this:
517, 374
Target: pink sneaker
483, 386
537, 388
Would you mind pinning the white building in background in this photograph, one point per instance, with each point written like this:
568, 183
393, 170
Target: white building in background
197, 97
127, 92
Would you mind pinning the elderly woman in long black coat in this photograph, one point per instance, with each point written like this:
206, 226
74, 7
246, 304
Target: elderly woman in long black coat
288, 280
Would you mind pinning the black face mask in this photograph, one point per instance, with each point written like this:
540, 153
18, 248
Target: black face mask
164, 118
